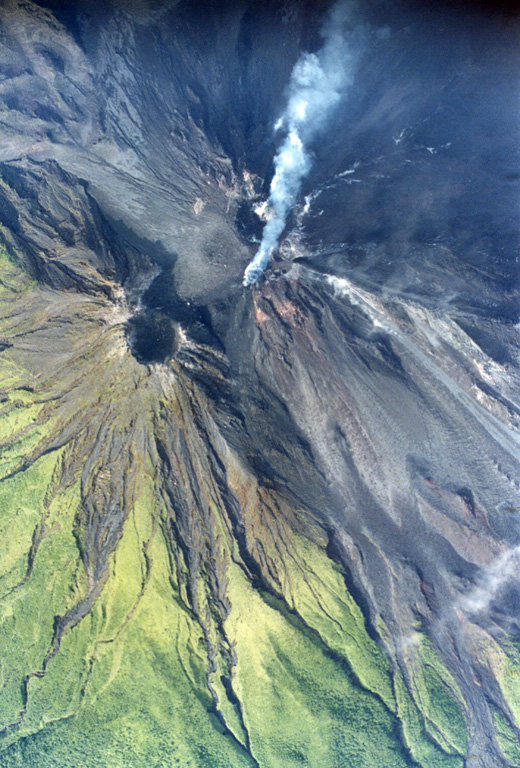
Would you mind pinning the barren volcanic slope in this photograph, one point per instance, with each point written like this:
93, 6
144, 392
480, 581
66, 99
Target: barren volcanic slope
275, 525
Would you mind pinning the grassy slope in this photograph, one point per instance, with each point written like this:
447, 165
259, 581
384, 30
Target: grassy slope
128, 686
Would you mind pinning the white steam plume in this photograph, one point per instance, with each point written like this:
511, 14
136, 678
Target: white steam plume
315, 87
493, 578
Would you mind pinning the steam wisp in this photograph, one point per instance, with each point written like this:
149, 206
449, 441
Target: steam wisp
315, 88
504, 568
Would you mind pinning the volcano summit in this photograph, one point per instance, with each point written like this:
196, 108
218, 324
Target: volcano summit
271, 525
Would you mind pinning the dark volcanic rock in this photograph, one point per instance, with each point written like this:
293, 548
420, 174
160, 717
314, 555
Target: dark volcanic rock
272, 526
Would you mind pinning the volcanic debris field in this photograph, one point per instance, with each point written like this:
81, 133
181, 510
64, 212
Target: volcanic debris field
275, 525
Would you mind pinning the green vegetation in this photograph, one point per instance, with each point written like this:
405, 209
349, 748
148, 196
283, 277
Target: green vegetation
437, 696
13, 281
278, 678
128, 685
302, 707
319, 596
507, 738
5, 256
416, 733
509, 678
33, 596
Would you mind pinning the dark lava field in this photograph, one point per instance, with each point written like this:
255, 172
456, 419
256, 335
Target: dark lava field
268, 525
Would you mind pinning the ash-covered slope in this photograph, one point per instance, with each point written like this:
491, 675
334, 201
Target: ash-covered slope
273, 526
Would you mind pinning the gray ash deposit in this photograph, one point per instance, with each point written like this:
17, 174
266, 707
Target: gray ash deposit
272, 525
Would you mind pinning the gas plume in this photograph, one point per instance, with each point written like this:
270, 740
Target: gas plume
317, 84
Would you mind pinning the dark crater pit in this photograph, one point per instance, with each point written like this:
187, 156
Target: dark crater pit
151, 337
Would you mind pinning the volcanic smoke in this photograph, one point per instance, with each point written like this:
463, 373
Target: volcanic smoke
315, 88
